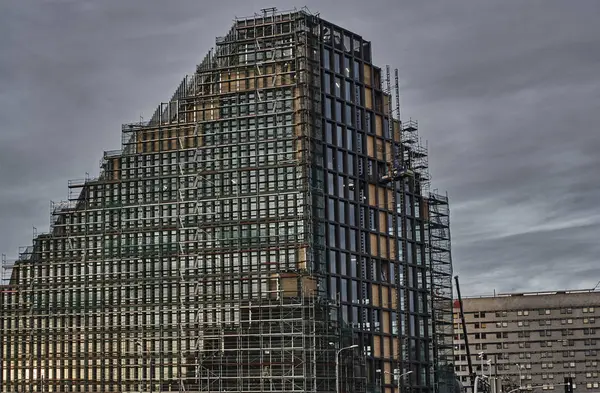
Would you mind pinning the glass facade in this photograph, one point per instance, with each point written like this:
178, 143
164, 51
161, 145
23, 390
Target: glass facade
378, 273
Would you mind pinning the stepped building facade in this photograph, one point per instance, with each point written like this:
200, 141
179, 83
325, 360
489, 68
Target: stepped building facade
269, 229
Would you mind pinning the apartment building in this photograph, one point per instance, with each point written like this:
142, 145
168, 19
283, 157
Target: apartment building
539, 338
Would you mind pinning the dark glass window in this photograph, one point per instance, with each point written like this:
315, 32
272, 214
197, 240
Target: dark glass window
352, 214
332, 261
350, 165
356, 44
349, 118
327, 59
338, 111
342, 238
329, 132
352, 241
339, 134
331, 209
340, 161
368, 126
356, 70
341, 186
336, 65
328, 104
347, 44
330, 158
327, 83
342, 212
348, 91
331, 234
347, 71
350, 139
338, 87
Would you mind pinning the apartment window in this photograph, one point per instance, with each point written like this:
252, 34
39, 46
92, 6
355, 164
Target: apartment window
520, 312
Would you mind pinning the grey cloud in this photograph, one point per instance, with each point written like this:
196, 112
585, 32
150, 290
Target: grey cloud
506, 92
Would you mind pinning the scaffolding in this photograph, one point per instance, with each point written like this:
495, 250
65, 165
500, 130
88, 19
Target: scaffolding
440, 259
197, 261
194, 261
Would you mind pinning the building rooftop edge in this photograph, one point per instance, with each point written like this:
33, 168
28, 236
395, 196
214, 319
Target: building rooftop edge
535, 293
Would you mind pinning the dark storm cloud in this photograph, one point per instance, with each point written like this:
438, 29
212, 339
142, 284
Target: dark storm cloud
507, 93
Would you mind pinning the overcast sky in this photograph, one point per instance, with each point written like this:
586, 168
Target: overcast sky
507, 92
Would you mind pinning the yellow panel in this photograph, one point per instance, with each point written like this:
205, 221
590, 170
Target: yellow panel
383, 247
377, 346
382, 222
372, 195
225, 88
367, 74
378, 125
392, 249
381, 199
375, 295
368, 98
387, 367
374, 248
251, 80
386, 322
394, 294
370, 146
301, 258
396, 347
387, 347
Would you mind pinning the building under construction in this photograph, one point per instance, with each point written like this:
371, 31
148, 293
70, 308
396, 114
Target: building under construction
269, 229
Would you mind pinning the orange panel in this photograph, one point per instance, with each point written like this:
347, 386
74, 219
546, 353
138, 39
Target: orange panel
371, 146
387, 347
382, 222
372, 195
383, 247
367, 74
375, 295
386, 322
378, 125
368, 98
374, 248
377, 346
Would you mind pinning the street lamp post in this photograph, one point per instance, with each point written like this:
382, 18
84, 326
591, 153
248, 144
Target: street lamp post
520, 376
337, 366
481, 360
